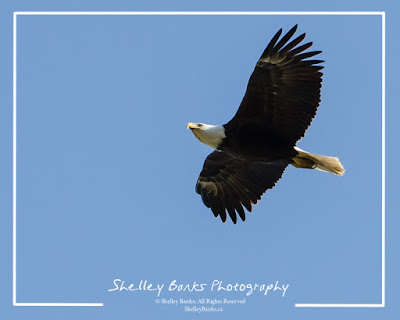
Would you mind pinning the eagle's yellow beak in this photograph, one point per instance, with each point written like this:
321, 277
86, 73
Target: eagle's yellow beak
191, 125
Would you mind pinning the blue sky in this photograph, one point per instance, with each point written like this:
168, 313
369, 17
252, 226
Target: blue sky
107, 168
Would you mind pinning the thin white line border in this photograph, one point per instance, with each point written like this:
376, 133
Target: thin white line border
195, 13
199, 13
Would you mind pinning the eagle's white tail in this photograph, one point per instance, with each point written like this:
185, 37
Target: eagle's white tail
314, 161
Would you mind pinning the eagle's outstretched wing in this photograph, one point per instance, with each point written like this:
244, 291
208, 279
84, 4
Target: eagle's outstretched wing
284, 89
227, 183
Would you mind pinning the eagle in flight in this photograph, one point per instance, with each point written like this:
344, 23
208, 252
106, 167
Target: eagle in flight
252, 150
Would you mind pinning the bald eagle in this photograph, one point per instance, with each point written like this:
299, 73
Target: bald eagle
254, 148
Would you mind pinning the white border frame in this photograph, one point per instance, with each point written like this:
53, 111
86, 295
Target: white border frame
303, 305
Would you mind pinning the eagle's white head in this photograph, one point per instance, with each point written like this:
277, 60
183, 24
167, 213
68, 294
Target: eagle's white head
208, 134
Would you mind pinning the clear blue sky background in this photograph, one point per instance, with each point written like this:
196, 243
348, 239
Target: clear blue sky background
107, 168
